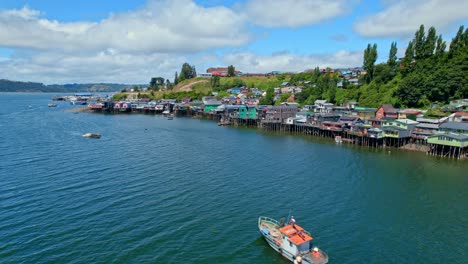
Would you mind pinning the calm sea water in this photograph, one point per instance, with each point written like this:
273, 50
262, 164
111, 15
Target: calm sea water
153, 190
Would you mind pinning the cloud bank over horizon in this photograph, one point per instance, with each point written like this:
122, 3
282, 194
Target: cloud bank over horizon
158, 36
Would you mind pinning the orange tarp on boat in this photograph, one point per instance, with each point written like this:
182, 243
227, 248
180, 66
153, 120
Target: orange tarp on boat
295, 234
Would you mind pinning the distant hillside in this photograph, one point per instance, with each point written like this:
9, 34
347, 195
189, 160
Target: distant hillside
15, 86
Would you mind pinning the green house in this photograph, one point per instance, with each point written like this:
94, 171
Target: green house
251, 112
210, 103
406, 124
241, 111
449, 139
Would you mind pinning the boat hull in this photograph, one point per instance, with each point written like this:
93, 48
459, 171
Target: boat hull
267, 225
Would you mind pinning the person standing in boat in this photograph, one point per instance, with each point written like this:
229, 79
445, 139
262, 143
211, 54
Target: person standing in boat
292, 221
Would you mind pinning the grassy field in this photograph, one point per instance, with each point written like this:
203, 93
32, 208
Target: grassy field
203, 84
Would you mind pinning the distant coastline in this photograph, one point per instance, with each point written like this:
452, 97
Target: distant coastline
36, 87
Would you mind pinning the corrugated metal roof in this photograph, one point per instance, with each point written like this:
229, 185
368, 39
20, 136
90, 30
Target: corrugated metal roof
430, 126
455, 125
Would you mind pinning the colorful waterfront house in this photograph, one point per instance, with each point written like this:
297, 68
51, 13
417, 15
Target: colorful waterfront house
231, 111
412, 113
301, 117
359, 130
279, 114
364, 112
333, 126
401, 114
406, 124
449, 139
386, 111
454, 127
348, 120
426, 127
210, 103
375, 132
460, 117
340, 110
374, 122
316, 119
322, 106
395, 132
242, 111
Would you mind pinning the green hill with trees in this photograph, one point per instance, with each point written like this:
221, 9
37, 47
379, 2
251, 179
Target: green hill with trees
428, 73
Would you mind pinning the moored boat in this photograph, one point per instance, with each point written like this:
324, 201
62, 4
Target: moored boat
291, 241
338, 139
92, 135
52, 105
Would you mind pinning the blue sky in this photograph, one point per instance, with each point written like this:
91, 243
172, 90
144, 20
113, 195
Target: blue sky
57, 41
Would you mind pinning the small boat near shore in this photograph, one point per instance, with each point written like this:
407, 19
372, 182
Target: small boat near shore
291, 241
92, 135
224, 123
52, 105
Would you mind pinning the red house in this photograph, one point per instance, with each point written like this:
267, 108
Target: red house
386, 111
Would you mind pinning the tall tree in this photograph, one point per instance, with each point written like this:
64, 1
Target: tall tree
370, 56
440, 46
176, 78
231, 71
187, 72
392, 57
419, 42
193, 72
408, 59
457, 41
430, 43
156, 81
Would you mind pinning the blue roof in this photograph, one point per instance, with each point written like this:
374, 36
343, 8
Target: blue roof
455, 125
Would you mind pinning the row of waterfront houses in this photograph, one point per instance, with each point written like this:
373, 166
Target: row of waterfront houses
384, 125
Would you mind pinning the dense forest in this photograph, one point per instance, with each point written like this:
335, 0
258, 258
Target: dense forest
428, 73
14, 86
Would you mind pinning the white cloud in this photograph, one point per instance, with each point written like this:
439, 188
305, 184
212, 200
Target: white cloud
283, 61
155, 40
403, 17
160, 26
292, 13
105, 66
